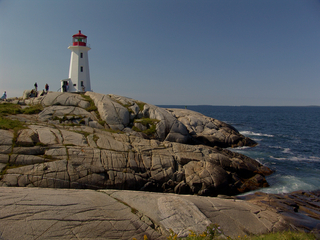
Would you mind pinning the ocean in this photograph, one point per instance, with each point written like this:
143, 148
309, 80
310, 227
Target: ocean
288, 141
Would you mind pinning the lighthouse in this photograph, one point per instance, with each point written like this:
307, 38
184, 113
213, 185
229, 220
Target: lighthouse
79, 77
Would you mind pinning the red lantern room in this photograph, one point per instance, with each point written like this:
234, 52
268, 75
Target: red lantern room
79, 39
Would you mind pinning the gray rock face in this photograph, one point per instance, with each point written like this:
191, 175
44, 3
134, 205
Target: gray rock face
122, 113
33, 213
300, 209
59, 98
116, 116
210, 131
68, 157
54, 112
6, 137
30, 213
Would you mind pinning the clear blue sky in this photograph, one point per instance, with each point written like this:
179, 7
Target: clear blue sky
217, 52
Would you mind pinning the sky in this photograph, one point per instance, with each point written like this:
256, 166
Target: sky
169, 52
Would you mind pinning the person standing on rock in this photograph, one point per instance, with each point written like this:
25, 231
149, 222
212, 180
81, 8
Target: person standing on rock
46, 87
4, 96
36, 86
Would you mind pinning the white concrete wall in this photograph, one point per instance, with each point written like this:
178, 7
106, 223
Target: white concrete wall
75, 74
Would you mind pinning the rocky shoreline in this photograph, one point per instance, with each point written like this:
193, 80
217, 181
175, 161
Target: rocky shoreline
106, 145
46, 213
101, 141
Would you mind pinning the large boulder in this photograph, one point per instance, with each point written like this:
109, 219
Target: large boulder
58, 112
59, 98
168, 128
210, 131
115, 115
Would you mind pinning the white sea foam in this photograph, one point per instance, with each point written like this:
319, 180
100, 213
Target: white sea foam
297, 158
287, 184
255, 134
241, 148
279, 158
308, 159
276, 147
287, 150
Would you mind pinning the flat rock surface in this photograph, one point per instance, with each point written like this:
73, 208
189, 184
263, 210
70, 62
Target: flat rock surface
32, 213
300, 208
37, 213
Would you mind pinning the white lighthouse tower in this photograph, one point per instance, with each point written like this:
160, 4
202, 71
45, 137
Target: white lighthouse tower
79, 77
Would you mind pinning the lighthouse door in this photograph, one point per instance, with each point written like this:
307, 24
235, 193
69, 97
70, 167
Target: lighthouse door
65, 86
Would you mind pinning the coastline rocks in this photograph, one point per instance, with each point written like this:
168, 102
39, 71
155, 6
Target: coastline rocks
123, 143
210, 131
69, 157
168, 128
34, 213
300, 209
137, 118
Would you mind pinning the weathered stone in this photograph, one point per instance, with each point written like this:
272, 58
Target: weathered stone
6, 137
182, 213
36, 150
107, 141
2, 166
25, 159
5, 149
60, 98
68, 214
115, 115
210, 131
47, 135
4, 158
27, 137
73, 138
68, 112
300, 209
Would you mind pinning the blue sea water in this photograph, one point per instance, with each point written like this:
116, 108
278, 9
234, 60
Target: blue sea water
288, 141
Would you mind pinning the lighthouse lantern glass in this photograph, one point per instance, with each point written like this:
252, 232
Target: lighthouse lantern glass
79, 41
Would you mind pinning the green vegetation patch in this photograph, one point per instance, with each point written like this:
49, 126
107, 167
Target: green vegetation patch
9, 109
141, 105
7, 124
34, 109
150, 123
12, 109
84, 133
146, 121
92, 106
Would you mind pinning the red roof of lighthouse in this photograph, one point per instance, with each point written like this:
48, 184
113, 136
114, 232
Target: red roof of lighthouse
80, 35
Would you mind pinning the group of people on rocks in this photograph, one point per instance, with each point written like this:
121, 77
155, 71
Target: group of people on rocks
34, 92
46, 87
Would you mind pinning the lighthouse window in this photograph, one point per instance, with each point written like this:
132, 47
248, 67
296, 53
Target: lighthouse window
81, 55
81, 83
81, 69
